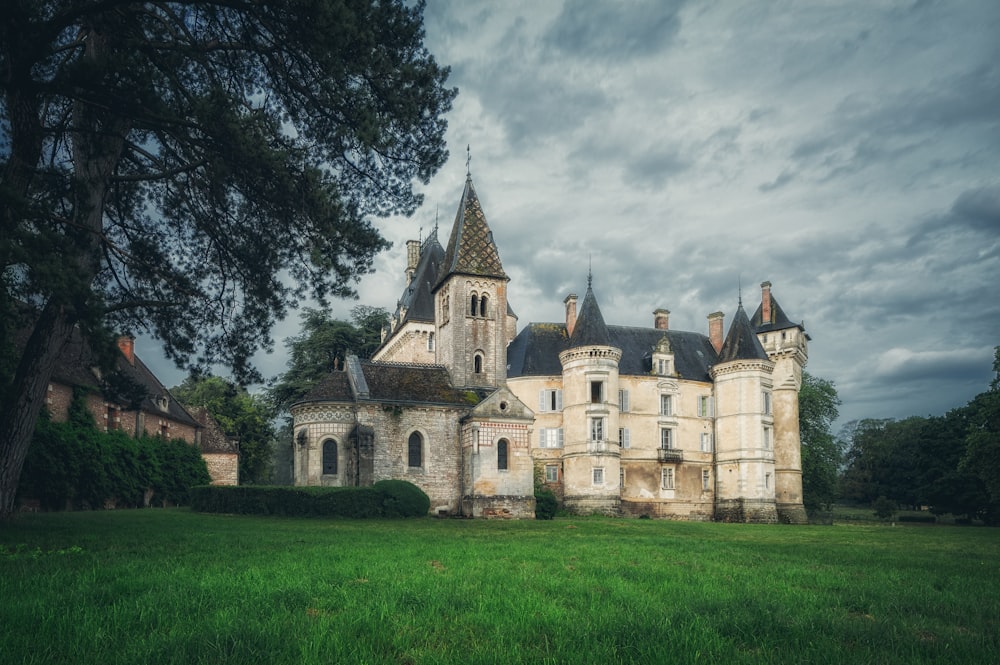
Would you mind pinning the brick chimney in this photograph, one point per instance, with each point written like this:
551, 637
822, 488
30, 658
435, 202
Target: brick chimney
765, 303
412, 259
715, 323
661, 319
126, 343
570, 303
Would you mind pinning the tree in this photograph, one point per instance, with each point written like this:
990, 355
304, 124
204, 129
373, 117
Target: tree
982, 439
239, 414
194, 167
821, 452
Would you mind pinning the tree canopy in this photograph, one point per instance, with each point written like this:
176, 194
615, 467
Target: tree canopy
322, 346
821, 452
239, 414
192, 169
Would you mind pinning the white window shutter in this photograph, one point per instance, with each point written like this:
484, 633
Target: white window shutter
560, 436
541, 401
559, 400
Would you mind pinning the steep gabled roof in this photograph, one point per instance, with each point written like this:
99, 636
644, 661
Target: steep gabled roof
471, 250
741, 342
589, 329
779, 321
404, 382
417, 298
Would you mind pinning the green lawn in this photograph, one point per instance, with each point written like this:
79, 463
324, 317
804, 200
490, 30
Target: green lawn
171, 586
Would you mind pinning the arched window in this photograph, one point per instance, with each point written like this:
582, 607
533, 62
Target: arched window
502, 454
329, 457
415, 450
482, 305
430, 341
474, 306
478, 364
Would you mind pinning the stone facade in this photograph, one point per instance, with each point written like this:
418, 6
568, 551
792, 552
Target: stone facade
615, 420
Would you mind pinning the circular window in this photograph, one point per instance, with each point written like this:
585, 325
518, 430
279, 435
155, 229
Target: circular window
503, 406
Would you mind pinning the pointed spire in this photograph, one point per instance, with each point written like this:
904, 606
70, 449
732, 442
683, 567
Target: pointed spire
741, 342
590, 329
471, 250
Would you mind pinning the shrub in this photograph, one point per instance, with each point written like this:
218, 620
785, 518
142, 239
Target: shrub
350, 502
546, 504
73, 465
884, 508
402, 499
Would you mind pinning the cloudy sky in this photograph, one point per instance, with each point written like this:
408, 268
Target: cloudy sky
848, 152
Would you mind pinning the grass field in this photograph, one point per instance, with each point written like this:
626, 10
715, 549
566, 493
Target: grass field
171, 586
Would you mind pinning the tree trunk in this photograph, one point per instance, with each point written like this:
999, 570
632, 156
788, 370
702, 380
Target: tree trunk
17, 419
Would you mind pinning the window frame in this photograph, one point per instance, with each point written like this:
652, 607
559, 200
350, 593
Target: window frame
503, 455
667, 478
419, 450
666, 405
330, 462
597, 476
554, 476
667, 441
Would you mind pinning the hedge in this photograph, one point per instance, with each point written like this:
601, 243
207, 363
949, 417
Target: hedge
387, 498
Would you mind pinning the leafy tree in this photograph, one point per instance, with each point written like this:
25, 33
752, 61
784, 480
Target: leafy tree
322, 346
239, 414
821, 451
982, 439
192, 168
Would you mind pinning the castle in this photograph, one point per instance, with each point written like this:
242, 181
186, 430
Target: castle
616, 420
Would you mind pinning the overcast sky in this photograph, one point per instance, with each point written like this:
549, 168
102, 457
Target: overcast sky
848, 152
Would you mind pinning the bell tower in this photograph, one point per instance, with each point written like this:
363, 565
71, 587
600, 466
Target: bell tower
470, 301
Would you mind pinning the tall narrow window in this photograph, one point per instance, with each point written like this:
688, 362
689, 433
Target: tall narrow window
621, 478
766, 399
767, 438
415, 450
666, 438
596, 392
478, 364
114, 418
706, 442
474, 304
430, 341
767, 480
666, 405
330, 457
597, 429
502, 455
482, 305
705, 479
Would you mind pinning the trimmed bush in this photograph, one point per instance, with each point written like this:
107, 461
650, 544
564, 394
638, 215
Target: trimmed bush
546, 504
402, 499
387, 498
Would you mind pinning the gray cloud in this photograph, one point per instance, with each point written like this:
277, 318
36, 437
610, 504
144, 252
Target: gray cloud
612, 31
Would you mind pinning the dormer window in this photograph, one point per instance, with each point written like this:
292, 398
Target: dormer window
663, 358
163, 402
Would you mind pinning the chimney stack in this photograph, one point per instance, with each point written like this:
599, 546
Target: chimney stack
715, 321
126, 343
412, 259
765, 303
661, 319
570, 303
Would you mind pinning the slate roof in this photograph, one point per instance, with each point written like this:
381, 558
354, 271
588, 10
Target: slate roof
741, 342
213, 439
417, 297
404, 382
334, 387
76, 363
590, 329
471, 250
393, 382
779, 321
535, 351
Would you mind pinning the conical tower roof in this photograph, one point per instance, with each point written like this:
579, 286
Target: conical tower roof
741, 342
589, 329
471, 250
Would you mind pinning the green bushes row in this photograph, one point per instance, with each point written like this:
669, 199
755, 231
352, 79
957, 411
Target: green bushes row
386, 498
73, 465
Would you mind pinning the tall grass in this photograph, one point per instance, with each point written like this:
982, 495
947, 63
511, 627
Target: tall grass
171, 586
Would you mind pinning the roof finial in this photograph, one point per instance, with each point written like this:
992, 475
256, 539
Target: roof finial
468, 161
739, 287
590, 270
437, 213
420, 235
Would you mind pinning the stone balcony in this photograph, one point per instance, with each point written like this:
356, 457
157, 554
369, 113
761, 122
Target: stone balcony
669, 455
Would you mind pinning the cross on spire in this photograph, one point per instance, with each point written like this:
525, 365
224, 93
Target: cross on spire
468, 160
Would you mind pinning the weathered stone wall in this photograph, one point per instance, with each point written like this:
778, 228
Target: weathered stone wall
222, 467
